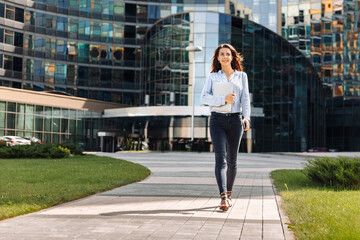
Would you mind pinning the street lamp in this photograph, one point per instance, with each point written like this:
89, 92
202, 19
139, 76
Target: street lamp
193, 49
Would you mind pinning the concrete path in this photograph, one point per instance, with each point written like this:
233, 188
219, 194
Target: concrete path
178, 201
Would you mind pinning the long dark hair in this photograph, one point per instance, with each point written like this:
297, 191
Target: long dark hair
235, 63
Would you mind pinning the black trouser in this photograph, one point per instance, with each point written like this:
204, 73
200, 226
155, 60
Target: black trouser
226, 131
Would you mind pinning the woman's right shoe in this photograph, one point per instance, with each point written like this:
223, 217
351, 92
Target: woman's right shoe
224, 206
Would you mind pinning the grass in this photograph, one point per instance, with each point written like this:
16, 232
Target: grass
28, 185
317, 212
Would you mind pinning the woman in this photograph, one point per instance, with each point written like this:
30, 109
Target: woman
226, 128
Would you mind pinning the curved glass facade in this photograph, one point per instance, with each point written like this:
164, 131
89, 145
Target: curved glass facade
88, 48
287, 105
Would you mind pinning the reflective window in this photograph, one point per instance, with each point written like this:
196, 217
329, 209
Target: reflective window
2, 9
73, 28
63, 3
61, 47
84, 30
84, 7
9, 37
18, 39
119, 10
107, 32
19, 15
60, 73
107, 9
95, 31
62, 24
10, 12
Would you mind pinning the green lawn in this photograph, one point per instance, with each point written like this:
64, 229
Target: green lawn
28, 185
317, 212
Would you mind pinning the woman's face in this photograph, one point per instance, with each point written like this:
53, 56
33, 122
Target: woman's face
225, 57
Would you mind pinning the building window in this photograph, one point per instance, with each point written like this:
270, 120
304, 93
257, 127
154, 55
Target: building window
302, 45
1, 35
19, 15
8, 62
17, 64
317, 27
2, 7
9, 37
10, 12
328, 26
18, 40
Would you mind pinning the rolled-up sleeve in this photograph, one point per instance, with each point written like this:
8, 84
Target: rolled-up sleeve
207, 97
245, 97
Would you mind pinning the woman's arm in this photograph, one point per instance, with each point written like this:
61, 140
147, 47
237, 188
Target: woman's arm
207, 98
245, 98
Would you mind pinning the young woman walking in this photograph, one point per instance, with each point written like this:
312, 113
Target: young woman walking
226, 128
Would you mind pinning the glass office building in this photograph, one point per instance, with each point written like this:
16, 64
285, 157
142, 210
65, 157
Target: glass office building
264, 12
49, 124
100, 50
284, 86
51, 117
327, 32
88, 48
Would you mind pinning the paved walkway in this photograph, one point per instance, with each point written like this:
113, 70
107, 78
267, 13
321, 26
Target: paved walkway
178, 201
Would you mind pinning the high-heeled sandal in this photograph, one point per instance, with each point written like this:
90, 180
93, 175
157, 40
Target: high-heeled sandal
224, 206
228, 193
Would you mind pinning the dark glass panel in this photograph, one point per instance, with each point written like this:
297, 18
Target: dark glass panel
17, 64
105, 77
19, 15
18, 39
83, 75
2, 9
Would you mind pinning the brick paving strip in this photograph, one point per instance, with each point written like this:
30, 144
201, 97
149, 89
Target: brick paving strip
178, 201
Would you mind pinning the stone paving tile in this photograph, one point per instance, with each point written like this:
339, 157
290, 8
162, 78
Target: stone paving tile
179, 201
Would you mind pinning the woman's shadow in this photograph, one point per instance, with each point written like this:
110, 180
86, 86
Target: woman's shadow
180, 211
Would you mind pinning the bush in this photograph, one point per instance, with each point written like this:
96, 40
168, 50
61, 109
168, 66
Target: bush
72, 147
340, 173
2, 143
34, 151
59, 152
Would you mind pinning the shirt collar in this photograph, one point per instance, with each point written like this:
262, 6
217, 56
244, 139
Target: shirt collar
221, 71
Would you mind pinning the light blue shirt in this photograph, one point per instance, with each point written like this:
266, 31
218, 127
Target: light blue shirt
241, 90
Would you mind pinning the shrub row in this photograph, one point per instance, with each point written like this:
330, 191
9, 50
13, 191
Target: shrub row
339, 173
2, 143
39, 151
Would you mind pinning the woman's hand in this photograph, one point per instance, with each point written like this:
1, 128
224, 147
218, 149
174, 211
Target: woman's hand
246, 123
230, 98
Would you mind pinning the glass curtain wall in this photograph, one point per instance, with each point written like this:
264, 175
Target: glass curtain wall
87, 48
263, 12
50, 124
327, 32
285, 88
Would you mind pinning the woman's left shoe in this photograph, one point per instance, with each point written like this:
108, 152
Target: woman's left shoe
224, 206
